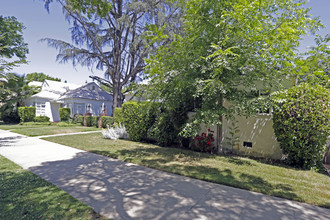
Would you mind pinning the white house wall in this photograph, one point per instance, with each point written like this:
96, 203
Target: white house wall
51, 108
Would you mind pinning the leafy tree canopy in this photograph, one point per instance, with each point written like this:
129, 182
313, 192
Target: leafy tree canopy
40, 77
11, 43
314, 65
229, 50
116, 36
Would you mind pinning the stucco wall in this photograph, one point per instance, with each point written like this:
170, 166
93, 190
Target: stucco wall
259, 131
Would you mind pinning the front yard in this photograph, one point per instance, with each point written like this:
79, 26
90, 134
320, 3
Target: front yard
276, 180
24, 195
39, 130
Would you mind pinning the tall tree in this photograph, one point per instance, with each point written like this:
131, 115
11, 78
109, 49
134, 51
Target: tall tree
115, 36
229, 50
12, 43
13, 93
40, 77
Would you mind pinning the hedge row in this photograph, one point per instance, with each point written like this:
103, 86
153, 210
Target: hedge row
93, 121
26, 113
146, 121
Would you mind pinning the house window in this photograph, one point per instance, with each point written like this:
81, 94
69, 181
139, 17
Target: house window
40, 108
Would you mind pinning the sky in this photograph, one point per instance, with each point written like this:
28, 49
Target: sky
41, 24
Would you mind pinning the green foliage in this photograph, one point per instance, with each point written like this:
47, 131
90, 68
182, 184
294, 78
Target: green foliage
40, 77
27, 113
88, 121
167, 127
64, 114
41, 119
138, 118
93, 24
78, 119
65, 124
13, 94
228, 50
233, 137
119, 116
8, 115
302, 124
95, 121
106, 121
11, 43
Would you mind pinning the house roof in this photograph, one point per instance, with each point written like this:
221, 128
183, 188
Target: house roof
88, 91
60, 87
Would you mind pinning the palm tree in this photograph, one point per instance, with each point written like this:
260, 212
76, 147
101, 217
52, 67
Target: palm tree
13, 93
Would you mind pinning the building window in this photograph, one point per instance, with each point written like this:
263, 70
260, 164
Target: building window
40, 108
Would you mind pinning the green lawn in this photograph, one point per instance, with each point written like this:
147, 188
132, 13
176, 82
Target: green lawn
38, 130
24, 195
275, 180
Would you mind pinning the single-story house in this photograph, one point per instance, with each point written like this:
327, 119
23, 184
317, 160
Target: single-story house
81, 99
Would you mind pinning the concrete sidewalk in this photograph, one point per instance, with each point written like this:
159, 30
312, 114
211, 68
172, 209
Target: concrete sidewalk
122, 190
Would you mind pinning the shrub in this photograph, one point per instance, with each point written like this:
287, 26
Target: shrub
119, 115
65, 114
204, 142
167, 127
26, 113
95, 121
88, 120
138, 118
78, 119
106, 121
113, 133
302, 124
41, 119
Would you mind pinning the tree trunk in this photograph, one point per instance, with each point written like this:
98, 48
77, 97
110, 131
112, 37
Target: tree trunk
219, 128
219, 135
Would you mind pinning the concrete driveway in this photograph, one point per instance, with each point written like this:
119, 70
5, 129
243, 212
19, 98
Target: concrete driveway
122, 190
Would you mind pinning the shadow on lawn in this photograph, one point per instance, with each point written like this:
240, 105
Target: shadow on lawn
26, 196
161, 158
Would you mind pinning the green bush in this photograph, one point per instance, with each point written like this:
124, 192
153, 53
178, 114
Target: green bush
78, 119
138, 118
119, 116
167, 127
89, 120
26, 113
106, 120
95, 121
65, 114
302, 124
41, 119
